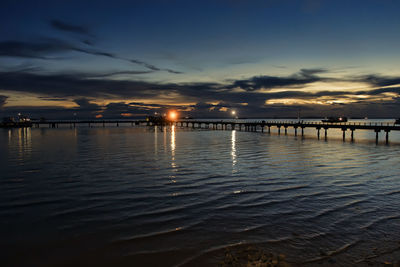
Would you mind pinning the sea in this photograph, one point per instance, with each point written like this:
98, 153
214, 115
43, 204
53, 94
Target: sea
178, 196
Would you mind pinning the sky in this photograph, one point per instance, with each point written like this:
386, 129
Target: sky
130, 59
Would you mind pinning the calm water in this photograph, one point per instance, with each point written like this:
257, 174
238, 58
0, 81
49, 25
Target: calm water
137, 196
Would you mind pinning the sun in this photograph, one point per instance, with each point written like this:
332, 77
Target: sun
172, 115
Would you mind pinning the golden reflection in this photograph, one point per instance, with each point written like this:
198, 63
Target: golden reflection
164, 138
20, 140
173, 165
233, 151
173, 140
156, 140
25, 141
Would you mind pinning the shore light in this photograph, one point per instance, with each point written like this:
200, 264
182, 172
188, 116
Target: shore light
234, 114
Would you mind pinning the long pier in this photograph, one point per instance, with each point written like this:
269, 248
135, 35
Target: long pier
244, 126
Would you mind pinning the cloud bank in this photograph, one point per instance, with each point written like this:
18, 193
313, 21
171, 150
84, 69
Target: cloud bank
255, 96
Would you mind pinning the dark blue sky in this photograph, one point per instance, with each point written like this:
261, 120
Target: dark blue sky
261, 58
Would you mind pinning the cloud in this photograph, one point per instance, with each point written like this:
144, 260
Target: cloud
383, 90
305, 76
3, 100
75, 85
53, 98
115, 73
85, 104
47, 48
311, 72
44, 49
119, 109
151, 67
99, 85
88, 42
62, 26
31, 50
66, 27
203, 110
378, 80
83, 88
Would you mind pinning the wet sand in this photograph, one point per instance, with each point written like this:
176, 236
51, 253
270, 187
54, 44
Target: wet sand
256, 256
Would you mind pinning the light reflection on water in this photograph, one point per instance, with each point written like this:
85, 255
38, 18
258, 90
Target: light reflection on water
173, 147
233, 153
22, 139
164, 195
155, 140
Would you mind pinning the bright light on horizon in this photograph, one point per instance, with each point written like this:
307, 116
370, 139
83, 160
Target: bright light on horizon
172, 115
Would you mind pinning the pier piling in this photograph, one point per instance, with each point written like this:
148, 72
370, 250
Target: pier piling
377, 135
387, 136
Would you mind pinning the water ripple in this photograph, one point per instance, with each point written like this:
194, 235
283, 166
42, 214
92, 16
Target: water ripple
185, 193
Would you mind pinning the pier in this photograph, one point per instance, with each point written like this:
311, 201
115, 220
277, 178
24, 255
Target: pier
254, 126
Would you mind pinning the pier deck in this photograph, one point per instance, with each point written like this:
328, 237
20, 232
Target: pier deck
252, 126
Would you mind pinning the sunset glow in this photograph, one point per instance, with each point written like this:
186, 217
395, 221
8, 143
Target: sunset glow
57, 67
172, 115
